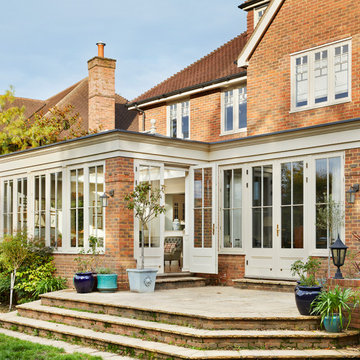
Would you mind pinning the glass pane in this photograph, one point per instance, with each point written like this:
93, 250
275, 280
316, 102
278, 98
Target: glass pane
227, 188
298, 182
257, 186
80, 188
321, 234
207, 228
242, 108
52, 191
267, 173
81, 227
321, 77
185, 126
227, 229
73, 228
321, 180
43, 192
198, 188
335, 178
144, 173
256, 242
198, 228
267, 227
237, 196
73, 188
286, 227
286, 184
154, 232
298, 235
229, 118
92, 221
301, 81
59, 190
207, 187
237, 243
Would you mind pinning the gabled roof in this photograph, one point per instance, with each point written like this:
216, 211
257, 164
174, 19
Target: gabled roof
77, 95
259, 32
219, 64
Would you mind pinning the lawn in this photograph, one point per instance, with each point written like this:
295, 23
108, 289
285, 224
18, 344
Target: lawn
15, 349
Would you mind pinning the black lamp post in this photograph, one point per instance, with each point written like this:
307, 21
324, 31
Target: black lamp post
338, 252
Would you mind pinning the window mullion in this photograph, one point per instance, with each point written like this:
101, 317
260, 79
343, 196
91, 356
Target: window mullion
331, 74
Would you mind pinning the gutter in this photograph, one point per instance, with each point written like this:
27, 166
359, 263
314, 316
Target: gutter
188, 90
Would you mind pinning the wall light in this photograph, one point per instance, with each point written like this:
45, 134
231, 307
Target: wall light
105, 197
350, 194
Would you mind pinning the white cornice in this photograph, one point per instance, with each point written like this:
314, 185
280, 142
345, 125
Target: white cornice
261, 27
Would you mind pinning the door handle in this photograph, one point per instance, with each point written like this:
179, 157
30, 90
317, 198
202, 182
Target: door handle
213, 230
277, 230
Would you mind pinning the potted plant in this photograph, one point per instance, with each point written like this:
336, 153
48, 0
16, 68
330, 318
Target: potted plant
106, 280
333, 305
144, 200
308, 287
83, 279
93, 252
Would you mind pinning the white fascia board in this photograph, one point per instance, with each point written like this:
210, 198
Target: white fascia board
103, 147
285, 145
260, 3
191, 92
261, 27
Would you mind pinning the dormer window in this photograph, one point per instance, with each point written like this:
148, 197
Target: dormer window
258, 13
179, 120
321, 76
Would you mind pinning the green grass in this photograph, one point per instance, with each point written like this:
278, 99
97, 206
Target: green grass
15, 349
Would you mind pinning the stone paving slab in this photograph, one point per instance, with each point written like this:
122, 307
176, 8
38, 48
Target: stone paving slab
69, 348
211, 301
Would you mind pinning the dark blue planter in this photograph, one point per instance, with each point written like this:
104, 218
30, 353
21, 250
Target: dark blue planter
332, 324
84, 282
304, 296
107, 282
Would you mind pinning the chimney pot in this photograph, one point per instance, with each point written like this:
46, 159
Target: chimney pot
100, 46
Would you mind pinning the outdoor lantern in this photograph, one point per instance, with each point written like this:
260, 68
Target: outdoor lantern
338, 252
105, 197
350, 194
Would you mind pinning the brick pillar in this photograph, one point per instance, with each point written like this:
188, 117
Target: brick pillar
101, 93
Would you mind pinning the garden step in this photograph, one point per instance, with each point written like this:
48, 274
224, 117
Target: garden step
139, 348
177, 282
174, 274
267, 285
189, 337
65, 299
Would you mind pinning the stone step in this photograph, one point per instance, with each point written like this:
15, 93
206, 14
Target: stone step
177, 282
174, 274
190, 337
139, 348
263, 284
62, 299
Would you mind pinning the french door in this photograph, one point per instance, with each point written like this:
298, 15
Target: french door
203, 247
277, 217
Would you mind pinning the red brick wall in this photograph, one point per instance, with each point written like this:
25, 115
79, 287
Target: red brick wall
119, 252
250, 23
353, 284
205, 117
299, 25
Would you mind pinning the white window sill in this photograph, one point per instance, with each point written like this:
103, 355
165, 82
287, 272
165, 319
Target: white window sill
75, 251
231, 251
318, 106
243, 130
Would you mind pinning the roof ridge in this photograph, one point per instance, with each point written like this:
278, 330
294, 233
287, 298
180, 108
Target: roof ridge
192, 64
25, 98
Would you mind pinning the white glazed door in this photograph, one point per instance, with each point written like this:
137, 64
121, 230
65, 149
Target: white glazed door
203, 246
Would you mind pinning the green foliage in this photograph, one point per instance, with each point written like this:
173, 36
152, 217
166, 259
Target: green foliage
18, 133
336, 301
16, 349
306, 271
88, 260
104, 270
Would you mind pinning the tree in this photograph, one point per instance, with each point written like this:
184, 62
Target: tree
145, 201
14, 250
19, 133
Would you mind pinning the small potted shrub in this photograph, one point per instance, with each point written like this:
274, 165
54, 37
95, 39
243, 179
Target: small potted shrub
333, 305
106, 280
308, 287
145, 201
83, 279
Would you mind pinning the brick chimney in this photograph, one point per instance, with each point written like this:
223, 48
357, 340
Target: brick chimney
101, 91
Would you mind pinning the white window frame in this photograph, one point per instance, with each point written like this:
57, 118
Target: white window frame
232, 250
179, 133
310, 53
257, 12
67, 212
236, 128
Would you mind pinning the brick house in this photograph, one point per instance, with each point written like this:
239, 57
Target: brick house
250, 142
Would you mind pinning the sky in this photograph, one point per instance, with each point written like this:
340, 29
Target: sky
46, 43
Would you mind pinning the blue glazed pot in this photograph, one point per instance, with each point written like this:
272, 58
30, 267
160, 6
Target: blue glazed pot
84, 282
304, 296
107, 282
332, 323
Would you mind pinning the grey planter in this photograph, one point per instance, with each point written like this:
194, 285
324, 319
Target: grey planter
142, 281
